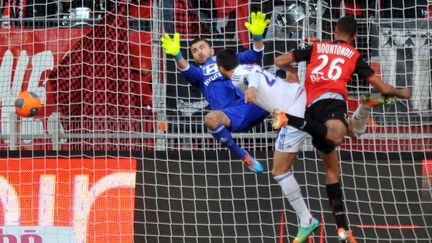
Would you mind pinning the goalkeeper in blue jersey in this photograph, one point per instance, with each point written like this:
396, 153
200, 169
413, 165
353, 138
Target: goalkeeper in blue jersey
229, 112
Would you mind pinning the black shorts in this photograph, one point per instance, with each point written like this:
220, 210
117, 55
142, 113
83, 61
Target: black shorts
322, 111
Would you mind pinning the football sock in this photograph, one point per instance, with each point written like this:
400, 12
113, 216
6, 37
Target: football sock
334, 193
292, 193
222, 134
315, 129
360, 118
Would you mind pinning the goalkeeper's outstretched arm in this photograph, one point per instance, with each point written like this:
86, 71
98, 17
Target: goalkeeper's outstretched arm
172, 47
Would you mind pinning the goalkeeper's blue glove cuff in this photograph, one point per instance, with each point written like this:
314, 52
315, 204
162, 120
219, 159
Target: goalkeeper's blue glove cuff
257, 37
178, 56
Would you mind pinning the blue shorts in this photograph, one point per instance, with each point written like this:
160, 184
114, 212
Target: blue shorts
244, 116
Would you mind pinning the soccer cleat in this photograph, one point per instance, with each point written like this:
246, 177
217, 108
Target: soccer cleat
346, 236
376, 99
279, 119
304, 232
253, 164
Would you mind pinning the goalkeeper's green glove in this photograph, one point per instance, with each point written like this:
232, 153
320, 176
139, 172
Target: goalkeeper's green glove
257, 25
172, 46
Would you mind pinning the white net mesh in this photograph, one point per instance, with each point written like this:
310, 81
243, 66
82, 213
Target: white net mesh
107, 86
382, 171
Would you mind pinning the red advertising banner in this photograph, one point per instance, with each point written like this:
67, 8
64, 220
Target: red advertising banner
67, 199
27, 58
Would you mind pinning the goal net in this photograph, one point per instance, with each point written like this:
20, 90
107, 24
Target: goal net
119, 152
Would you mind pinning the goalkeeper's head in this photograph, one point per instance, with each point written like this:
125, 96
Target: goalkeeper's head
201, 50
346, 29
227, 61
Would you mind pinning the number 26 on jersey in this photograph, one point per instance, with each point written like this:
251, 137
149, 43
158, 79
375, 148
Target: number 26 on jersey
327, 69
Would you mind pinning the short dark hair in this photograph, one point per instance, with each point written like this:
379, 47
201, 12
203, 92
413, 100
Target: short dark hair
347, 25
227, 59
281, 74
196, 40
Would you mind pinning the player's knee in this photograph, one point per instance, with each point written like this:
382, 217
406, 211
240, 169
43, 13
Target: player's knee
211, 120
336, 131
280, 171
281, 167
335, 139
336, 136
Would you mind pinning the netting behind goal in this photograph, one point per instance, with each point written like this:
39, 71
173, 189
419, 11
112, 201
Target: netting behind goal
120, 153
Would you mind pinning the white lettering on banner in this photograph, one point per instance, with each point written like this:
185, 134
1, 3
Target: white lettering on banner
41, 62
10, 202
46, 200
8, 93
83, 199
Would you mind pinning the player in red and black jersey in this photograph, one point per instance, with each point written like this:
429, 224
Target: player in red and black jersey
330, 67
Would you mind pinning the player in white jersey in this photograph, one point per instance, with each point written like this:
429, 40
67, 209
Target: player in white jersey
274, 93
288, 96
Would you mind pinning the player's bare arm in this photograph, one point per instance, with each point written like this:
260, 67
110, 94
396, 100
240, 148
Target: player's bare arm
291, 75
387, 89
284, 61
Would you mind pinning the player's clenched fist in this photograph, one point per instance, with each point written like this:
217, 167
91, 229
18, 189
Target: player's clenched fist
405, 93
172, 46
257, 24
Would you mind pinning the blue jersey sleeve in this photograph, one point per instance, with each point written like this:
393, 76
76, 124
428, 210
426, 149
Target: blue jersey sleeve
193, 75
250, 56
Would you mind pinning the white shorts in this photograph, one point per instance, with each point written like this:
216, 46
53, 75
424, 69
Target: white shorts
290, 140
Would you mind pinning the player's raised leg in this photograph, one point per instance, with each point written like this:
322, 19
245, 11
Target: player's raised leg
376, 99
360, 118
218, 123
